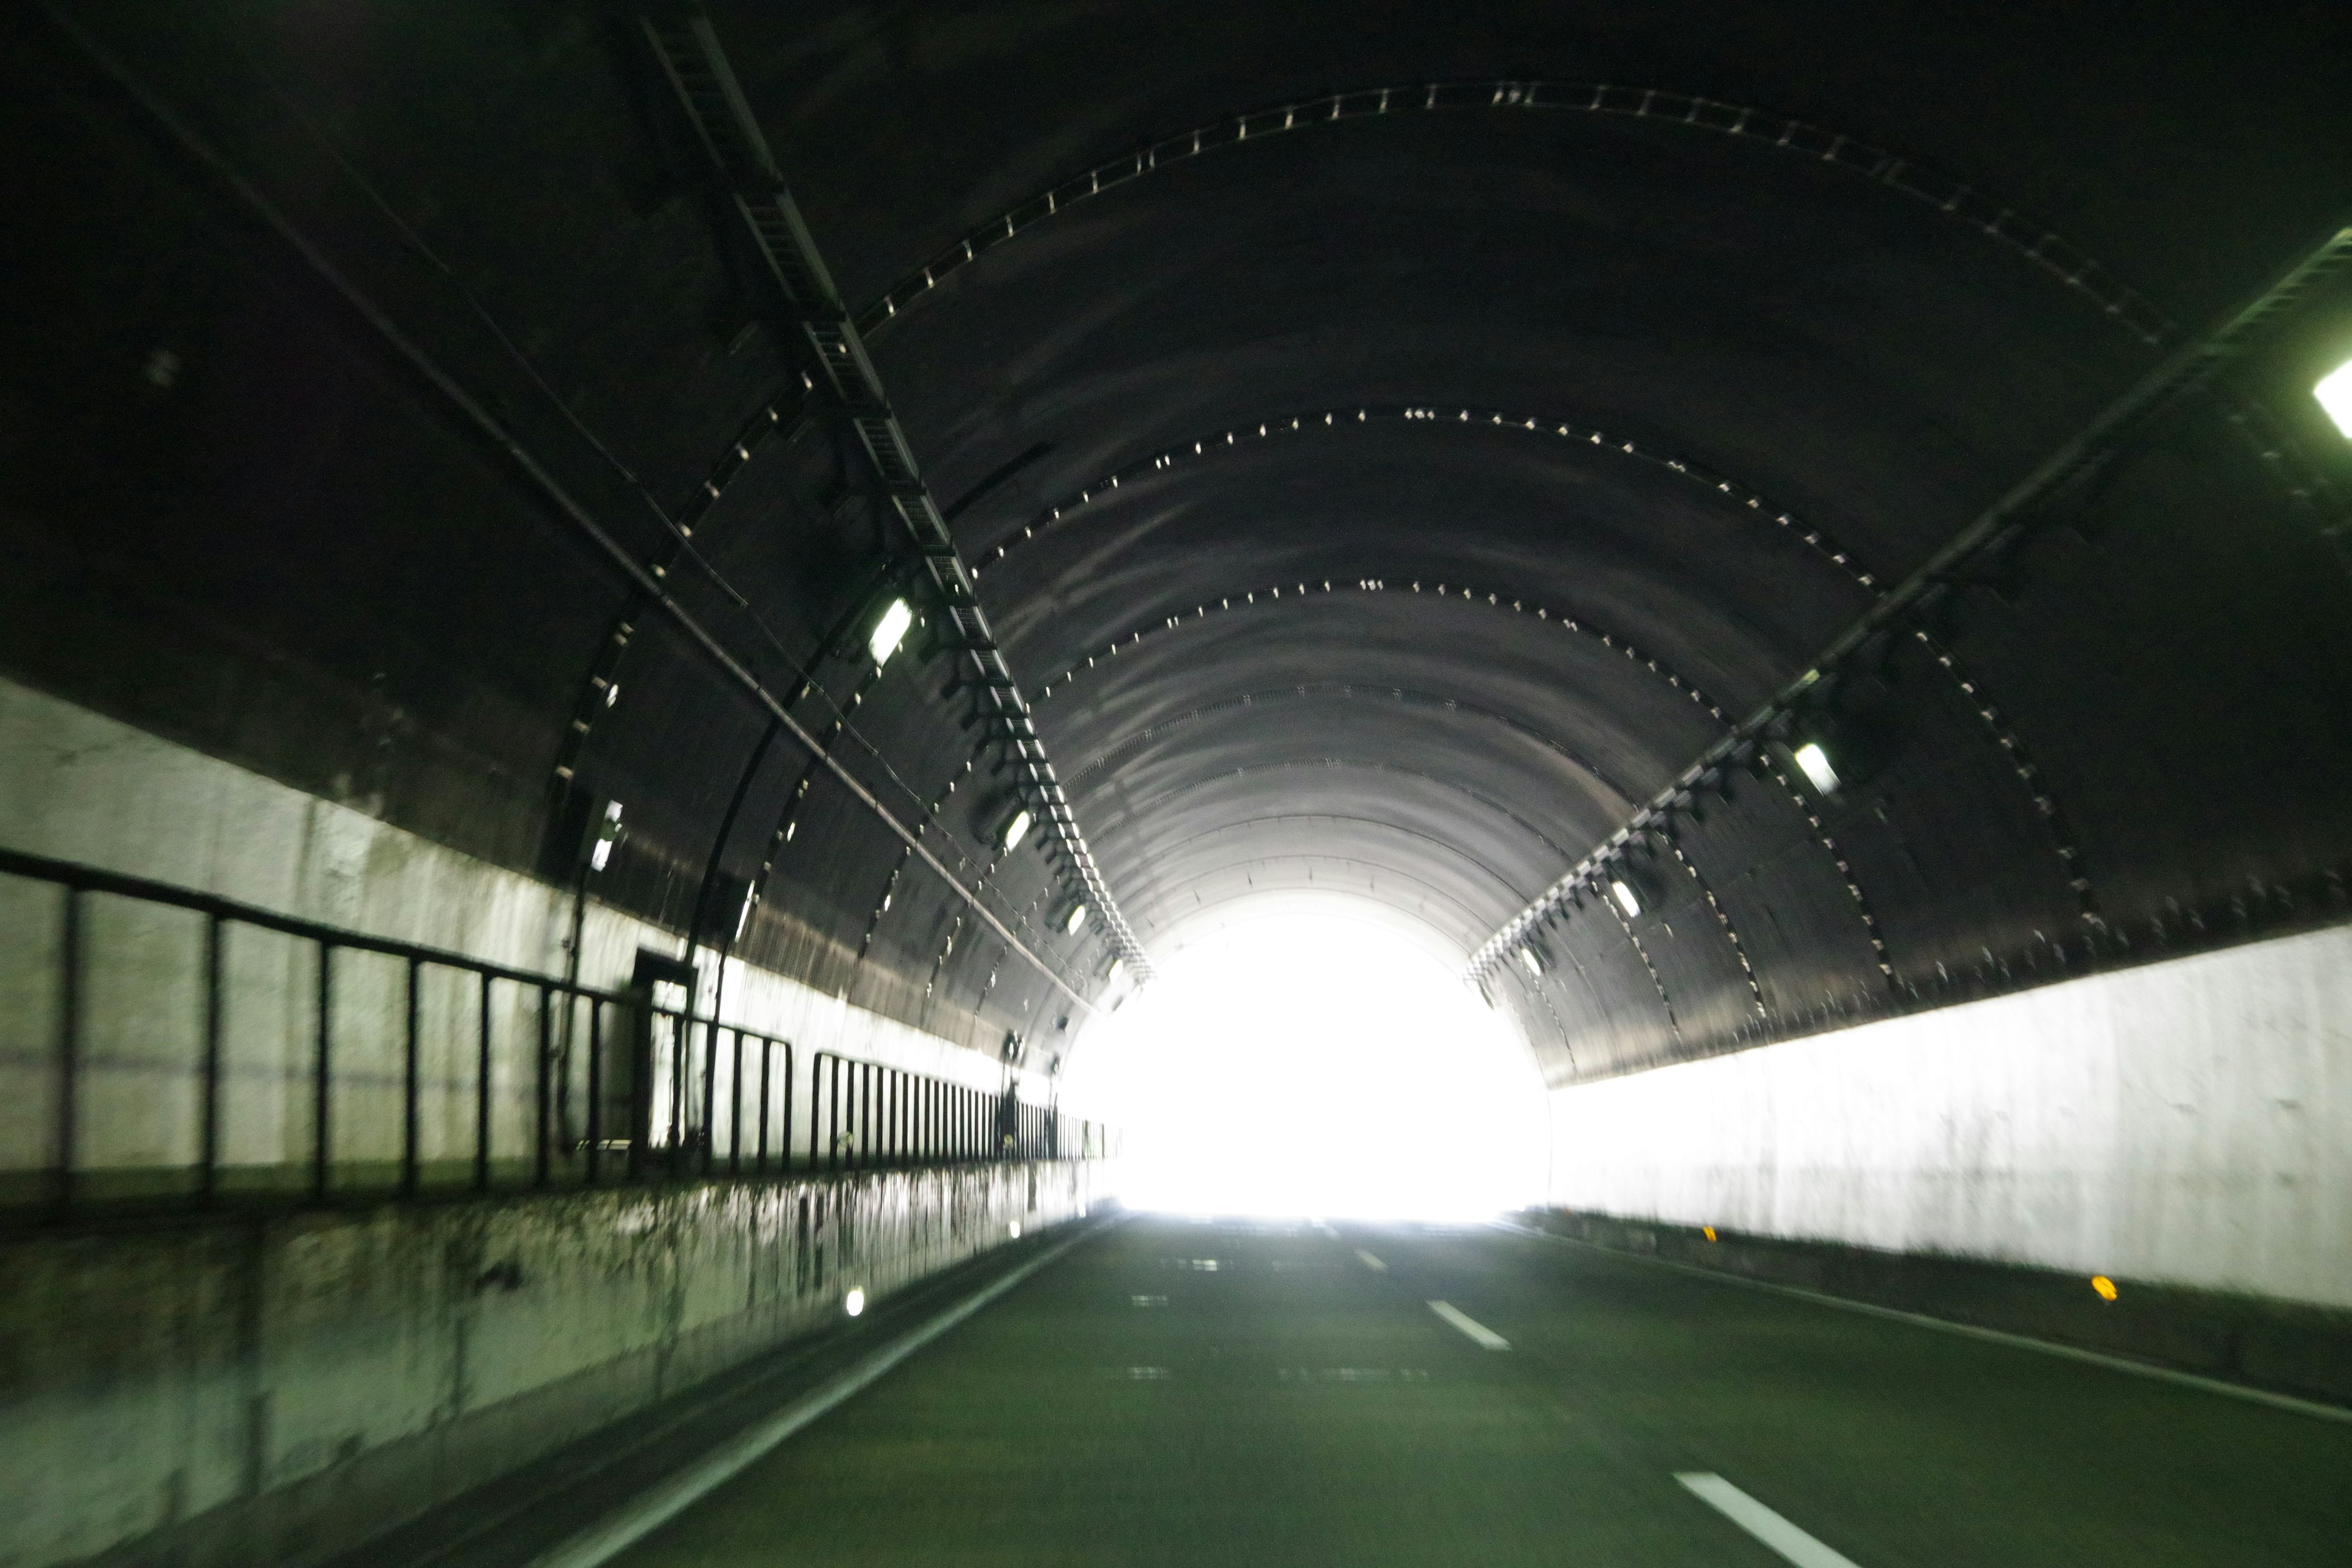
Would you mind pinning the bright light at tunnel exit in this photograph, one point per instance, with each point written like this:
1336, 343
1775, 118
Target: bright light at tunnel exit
2334, 394
1314, 1064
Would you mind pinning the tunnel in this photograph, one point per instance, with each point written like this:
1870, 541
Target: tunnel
1128, 784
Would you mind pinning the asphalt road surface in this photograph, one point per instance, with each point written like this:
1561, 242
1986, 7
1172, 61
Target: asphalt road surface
1275, 1394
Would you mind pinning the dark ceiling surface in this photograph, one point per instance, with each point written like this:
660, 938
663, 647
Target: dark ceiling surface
1392, 444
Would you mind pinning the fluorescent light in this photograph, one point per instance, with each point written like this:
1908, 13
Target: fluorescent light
1016, 830
854, 1303
1530, 962
607, 834
1815, 762
1626, 898
1118, 968
2334, 394
1077, 918
888, 630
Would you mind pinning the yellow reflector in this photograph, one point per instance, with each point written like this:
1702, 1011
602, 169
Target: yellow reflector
2103, 1286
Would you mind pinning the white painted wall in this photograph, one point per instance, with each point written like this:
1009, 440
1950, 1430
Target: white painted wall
2187, 1121
78, 787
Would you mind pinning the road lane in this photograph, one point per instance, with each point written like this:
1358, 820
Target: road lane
1180, 1393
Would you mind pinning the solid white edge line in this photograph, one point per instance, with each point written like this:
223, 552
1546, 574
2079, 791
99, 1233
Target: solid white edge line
658, 1505
1479, 1333
1374, 1264
2287, 1402
1761, 1522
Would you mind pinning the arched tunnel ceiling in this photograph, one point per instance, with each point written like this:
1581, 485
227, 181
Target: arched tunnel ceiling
1373, 486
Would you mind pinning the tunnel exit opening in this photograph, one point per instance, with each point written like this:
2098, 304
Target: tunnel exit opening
1303, 1056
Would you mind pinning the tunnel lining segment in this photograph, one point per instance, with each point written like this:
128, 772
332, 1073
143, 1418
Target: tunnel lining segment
2185, 372
487, 426
2047, 251
708, 94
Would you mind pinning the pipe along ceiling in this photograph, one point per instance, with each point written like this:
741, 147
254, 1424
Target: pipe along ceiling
1739, 523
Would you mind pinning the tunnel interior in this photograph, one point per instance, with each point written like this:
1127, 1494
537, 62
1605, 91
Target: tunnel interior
671, 674
1380, 479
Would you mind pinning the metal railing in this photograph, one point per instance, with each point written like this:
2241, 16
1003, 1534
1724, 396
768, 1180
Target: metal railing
159, 1043
874, 1115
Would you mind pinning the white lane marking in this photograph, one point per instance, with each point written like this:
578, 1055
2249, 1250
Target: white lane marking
1149, 1300
1995, 1336
1761, 1522
1374, 1264
1483, 1336
617, 1532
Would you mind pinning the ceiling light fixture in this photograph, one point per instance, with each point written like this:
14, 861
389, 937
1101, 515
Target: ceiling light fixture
1016, 830
1077, 918
2335, 393
889, 631
1815, 764
1626, 898
1530, 962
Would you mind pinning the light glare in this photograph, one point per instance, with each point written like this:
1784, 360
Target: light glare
889, 631
2334, 394
1815, 764
1379, 1087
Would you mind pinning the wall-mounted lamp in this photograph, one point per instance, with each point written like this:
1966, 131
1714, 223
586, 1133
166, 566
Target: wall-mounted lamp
1627, 900
2335, 393
1814, 763
1077, 918
1530, 962
889, 631
608, 832
1016, 830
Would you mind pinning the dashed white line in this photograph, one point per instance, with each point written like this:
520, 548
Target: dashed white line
1761, 1522
1374, 1264
1479, 1333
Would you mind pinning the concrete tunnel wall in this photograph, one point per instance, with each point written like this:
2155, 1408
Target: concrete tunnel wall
86, 788
279, 1390
2179, 1122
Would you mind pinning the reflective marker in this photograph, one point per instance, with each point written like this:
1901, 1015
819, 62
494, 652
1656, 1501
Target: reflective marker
2103, 1286
1480, 1334
1761, 1522
1374, 1264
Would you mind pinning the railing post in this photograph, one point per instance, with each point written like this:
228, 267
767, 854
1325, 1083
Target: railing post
595, 1085
321, 1131
767, 1065
785, 1142
208, 1114
410, 1072
482, 1094
541, 1132
735, 1097
833, 1120
710, 1093
68, 1046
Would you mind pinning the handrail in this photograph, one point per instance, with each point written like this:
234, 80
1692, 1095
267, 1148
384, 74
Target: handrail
651, 1095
